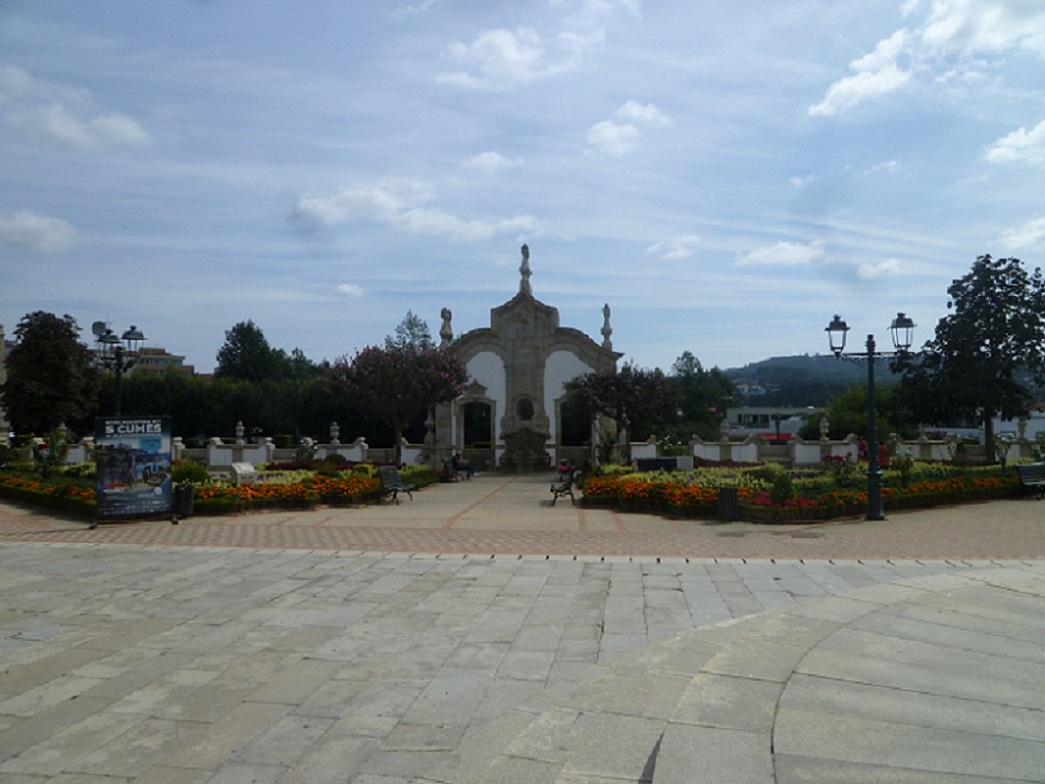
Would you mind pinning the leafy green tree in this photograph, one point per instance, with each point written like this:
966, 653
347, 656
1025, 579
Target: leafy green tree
50, 380
247, 355
847, 413
987, 352
411, 331
703, 397
640, 401
399, 383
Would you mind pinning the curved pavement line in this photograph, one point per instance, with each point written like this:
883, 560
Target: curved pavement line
929, 679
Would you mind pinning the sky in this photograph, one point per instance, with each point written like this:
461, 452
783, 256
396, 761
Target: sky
726, 176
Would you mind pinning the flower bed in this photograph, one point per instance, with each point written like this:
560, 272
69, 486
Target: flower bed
288, 490
693, 495
64, 495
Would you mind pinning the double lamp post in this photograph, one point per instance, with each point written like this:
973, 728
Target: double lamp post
118, 354
902, 331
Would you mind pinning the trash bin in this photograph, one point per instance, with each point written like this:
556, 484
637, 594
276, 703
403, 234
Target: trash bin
728, 504
184, 499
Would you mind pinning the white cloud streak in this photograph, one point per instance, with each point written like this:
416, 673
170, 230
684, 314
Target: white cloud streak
39, 233
400, 203
1020, 146
976, 31
876, 74
882, 269
618, 135
972, 27
63, 114
783, 254
351, 290
1029, 236
676, 248
502, 58
490, 162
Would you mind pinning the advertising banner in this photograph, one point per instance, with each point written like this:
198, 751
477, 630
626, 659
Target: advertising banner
133, 456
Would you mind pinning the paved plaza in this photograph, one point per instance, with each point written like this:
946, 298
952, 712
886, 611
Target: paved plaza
478, 634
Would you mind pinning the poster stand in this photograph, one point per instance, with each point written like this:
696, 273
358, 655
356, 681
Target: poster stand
133, 458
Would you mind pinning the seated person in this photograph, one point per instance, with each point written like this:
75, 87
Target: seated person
460, 465
565, 469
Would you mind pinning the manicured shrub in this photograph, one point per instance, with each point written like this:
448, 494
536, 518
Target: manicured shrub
189, 471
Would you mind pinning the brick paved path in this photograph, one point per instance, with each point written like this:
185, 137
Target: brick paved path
512, 515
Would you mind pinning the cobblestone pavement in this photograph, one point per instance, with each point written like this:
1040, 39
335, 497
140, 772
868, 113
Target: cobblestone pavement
439, 640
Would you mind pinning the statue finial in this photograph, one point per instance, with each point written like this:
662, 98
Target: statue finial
607, 330
446, 332
524, 270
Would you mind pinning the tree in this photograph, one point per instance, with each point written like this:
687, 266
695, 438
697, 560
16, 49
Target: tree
247, 355
986, 353
50, 380
847, 413
399, 383
411, 331
703, 397
639, 400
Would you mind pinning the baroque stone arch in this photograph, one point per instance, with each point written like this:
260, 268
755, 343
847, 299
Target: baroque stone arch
521, 360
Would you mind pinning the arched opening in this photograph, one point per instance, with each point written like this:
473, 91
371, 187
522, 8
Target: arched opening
574, 433
477, 435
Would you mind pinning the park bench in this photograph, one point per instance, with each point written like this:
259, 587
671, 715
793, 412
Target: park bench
450, 474
565, 487
1032, 475
392, 484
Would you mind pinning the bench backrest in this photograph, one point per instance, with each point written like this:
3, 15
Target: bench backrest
389, 476
1033, 472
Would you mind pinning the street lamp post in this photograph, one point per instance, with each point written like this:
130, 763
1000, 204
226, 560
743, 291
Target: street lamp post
118, 354
902, 331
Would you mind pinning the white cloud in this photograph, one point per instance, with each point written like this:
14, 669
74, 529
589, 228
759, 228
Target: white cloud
1031, 235
37, 232
351, 290
882, 269
976, 32
63, 114
592, 13
617, 136
973, 27
490, 162
800, 182
876, 74
783, 254
645, 113
1020, 145
497, 59
886, 167
611, 138
500, 58
400, 203
675, 248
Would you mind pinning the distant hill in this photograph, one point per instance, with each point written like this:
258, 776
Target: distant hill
801, 380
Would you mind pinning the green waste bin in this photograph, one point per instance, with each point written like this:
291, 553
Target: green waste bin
184, 499
728, 504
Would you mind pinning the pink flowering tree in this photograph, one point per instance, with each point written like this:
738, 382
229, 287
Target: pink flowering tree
397, 383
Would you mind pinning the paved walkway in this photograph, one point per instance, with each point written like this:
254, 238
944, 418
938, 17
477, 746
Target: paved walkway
479, 635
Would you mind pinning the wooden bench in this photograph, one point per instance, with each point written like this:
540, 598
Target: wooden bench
392, 484
1032, 475
565, 487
